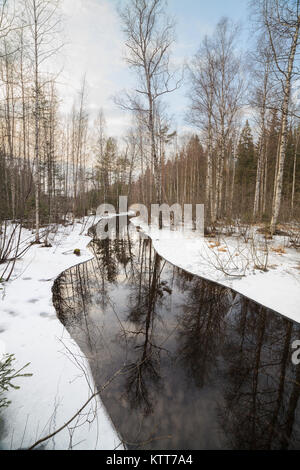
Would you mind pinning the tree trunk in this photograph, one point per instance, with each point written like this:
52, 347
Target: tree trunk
294, 175
284, 129
37, 106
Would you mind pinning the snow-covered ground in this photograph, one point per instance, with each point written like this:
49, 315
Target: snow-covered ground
61, 382
236, 264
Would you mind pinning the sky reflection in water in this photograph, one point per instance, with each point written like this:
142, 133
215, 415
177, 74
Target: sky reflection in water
201, 367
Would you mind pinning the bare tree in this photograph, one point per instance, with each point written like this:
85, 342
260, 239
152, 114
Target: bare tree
43, 23
294, 171
149, 37
281, 21
261, 101
100, 125
79, 135
202, 73
216, 98
229, 88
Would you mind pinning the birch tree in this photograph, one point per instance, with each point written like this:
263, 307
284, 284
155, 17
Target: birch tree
229, 88
260, 100
281, 21
43, 20
297, 136
202, 94
216, 98
79, 136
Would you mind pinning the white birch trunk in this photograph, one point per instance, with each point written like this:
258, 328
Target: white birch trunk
284, 129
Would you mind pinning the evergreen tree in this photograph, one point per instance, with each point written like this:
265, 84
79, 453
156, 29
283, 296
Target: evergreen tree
245, 173
105, 167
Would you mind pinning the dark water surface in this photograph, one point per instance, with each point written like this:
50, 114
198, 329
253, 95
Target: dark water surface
200, 367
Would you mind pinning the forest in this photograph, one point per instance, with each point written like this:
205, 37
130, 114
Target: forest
242, 161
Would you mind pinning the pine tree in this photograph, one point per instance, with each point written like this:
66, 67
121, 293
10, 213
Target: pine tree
105, 166
245, 173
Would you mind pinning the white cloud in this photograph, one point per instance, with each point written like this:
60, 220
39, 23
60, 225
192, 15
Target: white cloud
94, 46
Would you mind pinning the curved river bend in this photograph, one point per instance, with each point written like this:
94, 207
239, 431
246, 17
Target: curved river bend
200, 367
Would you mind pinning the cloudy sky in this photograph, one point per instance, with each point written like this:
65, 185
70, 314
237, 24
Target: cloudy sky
94, 45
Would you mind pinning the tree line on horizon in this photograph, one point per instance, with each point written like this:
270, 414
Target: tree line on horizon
242, 161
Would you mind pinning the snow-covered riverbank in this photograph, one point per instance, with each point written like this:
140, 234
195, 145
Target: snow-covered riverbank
61, 381
277, 289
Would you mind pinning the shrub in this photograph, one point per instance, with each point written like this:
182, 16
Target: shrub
7, 376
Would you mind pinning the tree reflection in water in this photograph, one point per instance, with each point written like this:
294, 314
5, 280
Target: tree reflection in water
263, 386
201, 367
202, 325
145, 369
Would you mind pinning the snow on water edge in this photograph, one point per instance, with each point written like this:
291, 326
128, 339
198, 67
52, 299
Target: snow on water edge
61, 382
277, 289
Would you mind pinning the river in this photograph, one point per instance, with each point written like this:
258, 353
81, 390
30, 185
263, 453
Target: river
195, 365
